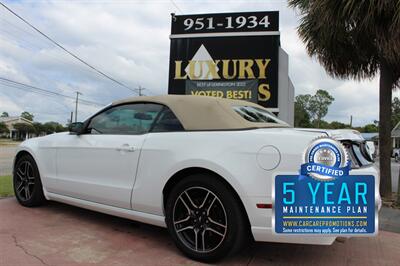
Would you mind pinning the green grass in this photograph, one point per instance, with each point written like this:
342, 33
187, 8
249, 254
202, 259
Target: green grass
6, 186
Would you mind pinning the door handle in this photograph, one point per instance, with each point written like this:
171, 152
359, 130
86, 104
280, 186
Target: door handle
126, 147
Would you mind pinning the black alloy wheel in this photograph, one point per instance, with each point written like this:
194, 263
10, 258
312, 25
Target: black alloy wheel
27, 184
204, 218
202, 227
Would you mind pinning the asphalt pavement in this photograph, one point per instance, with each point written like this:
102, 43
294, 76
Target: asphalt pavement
7, 153
58, 234
395, 173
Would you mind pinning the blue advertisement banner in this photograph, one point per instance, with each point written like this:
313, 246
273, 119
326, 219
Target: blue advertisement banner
343, 206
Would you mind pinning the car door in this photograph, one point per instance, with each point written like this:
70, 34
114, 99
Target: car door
100, 165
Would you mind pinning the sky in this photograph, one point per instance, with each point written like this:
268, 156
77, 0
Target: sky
129, 40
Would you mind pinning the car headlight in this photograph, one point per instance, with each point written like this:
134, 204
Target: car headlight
358, 153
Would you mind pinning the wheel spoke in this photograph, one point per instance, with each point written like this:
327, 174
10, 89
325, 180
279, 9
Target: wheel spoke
29, 170
216, 223
195, 239
186, 206
20, 187
19, 175
205, 200
182, 220
26, 168
202, 239
190, 200
27, 193
184, 229
211, 204
215, 231
216, 227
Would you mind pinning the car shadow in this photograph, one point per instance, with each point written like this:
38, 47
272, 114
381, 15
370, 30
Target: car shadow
254, 253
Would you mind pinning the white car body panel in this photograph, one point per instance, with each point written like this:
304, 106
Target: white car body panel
98, 168
88, 171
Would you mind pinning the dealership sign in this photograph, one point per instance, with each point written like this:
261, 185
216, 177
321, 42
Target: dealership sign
324, 198
230, 55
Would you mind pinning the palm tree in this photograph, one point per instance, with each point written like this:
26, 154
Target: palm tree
357, 39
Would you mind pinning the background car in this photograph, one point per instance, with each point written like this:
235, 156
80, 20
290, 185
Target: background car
202, 167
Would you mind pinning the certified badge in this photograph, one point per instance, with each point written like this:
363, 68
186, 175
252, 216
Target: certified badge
325, 159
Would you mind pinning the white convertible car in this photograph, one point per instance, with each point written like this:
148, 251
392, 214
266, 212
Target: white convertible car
202, 167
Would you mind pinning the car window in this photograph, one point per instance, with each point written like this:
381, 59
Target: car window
257, 115
167, 122
129, 119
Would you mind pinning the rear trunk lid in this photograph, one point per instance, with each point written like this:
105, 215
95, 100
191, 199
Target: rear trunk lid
338, 134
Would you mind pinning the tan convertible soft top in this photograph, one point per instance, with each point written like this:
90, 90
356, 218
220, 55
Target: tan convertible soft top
203, 112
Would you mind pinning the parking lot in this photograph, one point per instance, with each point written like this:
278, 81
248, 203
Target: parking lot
57, 234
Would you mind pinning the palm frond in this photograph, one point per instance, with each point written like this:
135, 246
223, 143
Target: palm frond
351, 38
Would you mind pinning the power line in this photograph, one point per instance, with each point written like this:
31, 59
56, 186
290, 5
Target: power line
176, 6
48, 91
67, 51
16, 84
28, 44
44, 94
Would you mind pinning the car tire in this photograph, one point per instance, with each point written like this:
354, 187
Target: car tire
203, 205
27, 183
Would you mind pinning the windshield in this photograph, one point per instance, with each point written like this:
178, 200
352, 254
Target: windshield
257, 115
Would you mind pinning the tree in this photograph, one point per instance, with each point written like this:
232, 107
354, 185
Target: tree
301, 116
39, 128
23, 129
370, 128
312, 108
356, 39
27, 115
338, 125
318, 106
4, 114
51, 127
3, 128
324, 124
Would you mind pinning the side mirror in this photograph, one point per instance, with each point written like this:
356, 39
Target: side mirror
143, 116
76, 128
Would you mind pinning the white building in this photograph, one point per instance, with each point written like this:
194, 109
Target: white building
13, 133
396, 136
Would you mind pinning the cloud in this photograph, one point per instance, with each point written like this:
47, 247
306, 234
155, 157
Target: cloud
8, 105
129, 40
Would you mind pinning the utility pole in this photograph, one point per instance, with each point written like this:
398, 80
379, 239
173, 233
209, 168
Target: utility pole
140, 90
72, 116
76, 105
351, 121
